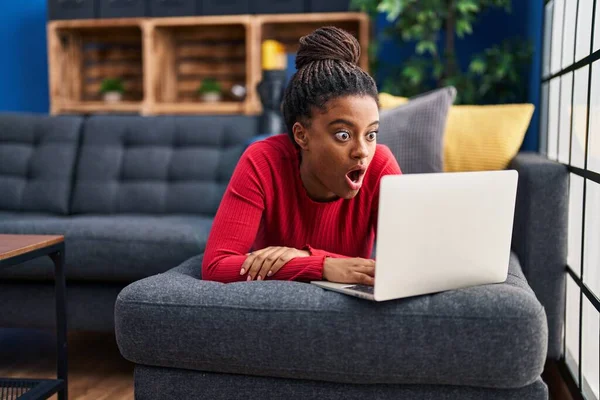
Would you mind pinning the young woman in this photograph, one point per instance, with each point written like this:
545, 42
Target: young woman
303, 206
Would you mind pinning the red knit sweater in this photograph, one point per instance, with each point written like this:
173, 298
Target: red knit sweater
265, 204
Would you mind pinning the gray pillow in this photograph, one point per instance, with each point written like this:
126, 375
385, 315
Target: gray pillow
414, 131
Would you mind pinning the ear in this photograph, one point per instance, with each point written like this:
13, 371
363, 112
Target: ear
300, 135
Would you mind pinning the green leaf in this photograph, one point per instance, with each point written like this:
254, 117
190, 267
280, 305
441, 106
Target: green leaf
484, 89
463, 26
392, 8
112, 85
209, 85
467, 6
426, 46
413, 74
477, 66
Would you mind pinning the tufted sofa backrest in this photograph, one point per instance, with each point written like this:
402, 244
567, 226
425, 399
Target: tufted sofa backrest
158, 165
37, 161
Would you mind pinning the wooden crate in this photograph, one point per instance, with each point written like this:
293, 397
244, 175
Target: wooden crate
289, 28
163, 60
187, 50
83, 53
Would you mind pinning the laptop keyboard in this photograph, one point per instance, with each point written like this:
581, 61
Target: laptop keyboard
362, 288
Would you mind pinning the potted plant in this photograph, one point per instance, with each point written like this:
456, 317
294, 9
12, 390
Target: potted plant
112, 89
210, 90
432, 31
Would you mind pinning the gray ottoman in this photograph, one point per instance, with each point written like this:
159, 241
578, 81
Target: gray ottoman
197, 339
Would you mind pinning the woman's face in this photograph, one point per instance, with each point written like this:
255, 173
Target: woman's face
338, 146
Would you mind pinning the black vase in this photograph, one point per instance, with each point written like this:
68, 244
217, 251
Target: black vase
271, 90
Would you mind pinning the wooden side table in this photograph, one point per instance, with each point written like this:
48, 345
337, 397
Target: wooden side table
16, 249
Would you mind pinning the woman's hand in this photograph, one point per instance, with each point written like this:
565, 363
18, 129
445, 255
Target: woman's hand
268, 261
349, 270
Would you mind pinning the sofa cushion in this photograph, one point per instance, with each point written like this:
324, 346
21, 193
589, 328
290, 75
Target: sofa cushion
484, 137
414, 131
154, 165
488, 336
119, 248
37, 160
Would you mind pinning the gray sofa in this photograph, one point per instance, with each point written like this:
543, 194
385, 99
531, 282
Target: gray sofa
135, 197
191, 338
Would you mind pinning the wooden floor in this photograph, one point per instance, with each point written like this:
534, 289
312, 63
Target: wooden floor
558, 388
96, 369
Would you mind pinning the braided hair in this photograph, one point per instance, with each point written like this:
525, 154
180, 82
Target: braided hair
327, 68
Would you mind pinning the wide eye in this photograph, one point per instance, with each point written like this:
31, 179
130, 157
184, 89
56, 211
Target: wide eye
371, 136
343, 136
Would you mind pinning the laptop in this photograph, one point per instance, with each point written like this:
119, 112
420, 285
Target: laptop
438, 232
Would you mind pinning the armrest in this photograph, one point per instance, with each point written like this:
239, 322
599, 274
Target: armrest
281, 329
191, 267
540, 235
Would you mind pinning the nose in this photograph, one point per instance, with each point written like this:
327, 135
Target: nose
360, 150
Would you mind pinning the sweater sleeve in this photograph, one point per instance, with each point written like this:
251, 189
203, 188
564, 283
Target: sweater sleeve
323, 253
237, 221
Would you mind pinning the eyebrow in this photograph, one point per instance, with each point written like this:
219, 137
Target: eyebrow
346, 122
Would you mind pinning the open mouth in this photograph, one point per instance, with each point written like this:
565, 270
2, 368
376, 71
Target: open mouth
354, 175
354, 178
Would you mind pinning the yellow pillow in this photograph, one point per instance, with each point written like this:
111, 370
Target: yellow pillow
478, 138
387, 101
484, 138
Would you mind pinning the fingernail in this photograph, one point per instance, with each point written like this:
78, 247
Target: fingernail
259, 278
269, 273
243, 271
249, 278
